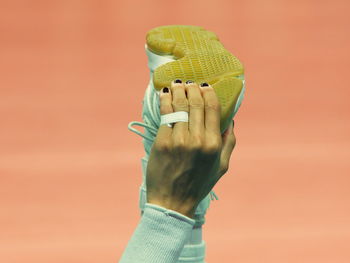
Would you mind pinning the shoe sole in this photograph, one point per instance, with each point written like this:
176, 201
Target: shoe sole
200, 57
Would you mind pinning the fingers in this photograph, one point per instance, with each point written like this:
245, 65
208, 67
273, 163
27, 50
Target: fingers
196, 105
203, 107
165, 101
212, 110
179, 103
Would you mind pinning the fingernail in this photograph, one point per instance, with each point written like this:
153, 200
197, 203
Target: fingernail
189, 81
178, 81
204, 84
165, 90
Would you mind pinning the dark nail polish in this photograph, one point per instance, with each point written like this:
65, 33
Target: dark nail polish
178, 81
204, 84
165, 90
189, 81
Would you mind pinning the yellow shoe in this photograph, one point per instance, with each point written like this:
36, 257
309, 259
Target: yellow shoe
197, 55
188, 53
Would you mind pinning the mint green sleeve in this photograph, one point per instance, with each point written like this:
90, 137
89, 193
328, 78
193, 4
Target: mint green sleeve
159, 237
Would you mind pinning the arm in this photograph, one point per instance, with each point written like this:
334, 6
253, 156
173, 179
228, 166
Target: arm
185, 162
159, 237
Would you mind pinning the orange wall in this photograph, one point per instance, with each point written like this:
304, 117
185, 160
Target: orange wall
73, 75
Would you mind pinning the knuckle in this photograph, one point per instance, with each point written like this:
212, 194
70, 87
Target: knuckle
196, 103
165, 109
180, 103
213, 146
179, 144
210, 149
196, 142
162, 146
212, 105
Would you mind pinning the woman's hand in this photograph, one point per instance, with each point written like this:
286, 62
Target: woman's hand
186, 161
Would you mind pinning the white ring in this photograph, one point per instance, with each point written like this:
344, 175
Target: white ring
174, 117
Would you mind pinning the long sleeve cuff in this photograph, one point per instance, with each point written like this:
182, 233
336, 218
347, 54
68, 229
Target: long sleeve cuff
159, 237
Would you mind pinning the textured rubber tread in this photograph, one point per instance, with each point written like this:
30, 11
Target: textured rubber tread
200, 57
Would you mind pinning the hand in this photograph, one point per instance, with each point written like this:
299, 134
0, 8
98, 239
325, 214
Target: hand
186, 161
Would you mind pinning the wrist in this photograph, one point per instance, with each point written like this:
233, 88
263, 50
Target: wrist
186, 209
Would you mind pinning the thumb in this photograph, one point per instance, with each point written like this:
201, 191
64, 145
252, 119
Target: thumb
228, 144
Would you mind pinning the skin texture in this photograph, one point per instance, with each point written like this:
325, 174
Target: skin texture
186, 161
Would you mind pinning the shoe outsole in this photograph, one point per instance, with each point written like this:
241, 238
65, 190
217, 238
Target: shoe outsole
200, 57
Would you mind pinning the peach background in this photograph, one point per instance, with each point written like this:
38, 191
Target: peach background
73, 75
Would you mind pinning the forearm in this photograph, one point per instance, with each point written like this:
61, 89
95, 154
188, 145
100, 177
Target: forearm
159, 237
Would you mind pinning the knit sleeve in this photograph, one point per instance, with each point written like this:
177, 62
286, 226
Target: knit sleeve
159, 237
